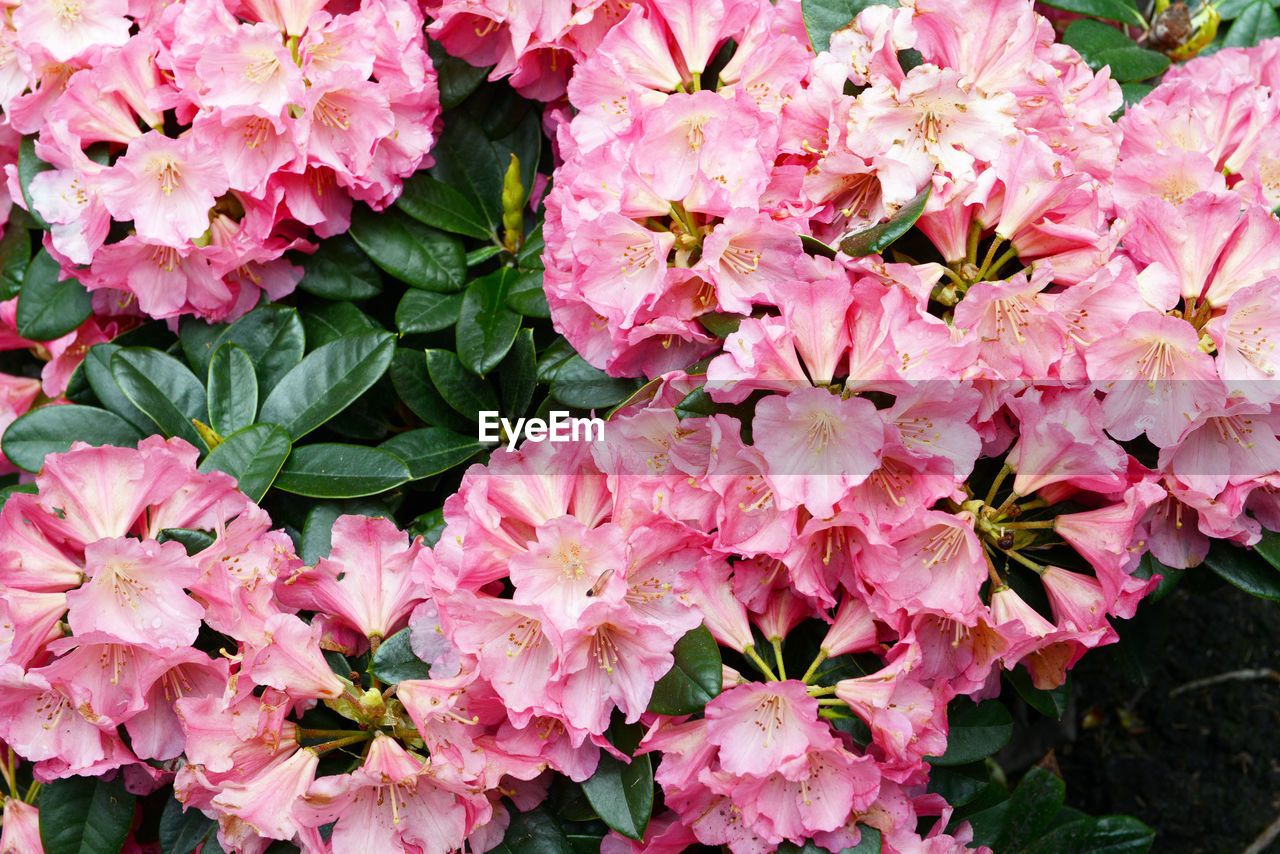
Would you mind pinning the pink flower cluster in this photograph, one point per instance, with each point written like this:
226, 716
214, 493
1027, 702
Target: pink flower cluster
120, 652
194, 143
682, 197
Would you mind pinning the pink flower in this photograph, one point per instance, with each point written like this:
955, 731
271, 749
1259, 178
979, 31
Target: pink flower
365, 585
21, 828
66, 29
136, 593
249, 68
760, 726
569, 569
166, 186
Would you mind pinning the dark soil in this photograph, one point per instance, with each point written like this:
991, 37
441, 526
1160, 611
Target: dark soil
1201, 766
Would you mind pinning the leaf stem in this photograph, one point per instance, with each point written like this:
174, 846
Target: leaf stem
813, 668
760, 664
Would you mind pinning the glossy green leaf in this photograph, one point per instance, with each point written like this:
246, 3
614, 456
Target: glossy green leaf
432, 450
340, 270
272, 336
327, 381
1032, 808
467, 393
29, 166
252, 455
1090, 38
334, 470
326, 321
163, 388
869, 842
486, 327
97, 369
877, 238
15, 255
1113, 834
85, 815
1245, 569
517, 375
533, 832
49, 308
1051, 704
474, 165
526, 295
529, 256
52, 429
975, 731
438, 205
816, 248
1254, 24
1135, 92
415, 254
414, 388
194, 541
576, 383
719, 323
622, 793
232, 390
961, 784
424, 311
458, 78
1111, 10
394, 662
182, 830
1131, 64
824, 17
694, 680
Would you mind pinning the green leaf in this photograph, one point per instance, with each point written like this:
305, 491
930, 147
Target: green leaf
394, 662
695, 678
878, 237
52, 429
458, 79
15, 255
1244, 568
272, 336
1113, 834
1051, 704
424, 311
1111, 10
193, 540
29, 166
415, 254
467, 393
1135, 92
1255, 23
182, 830
49, 308
85, 815
961, 784
1090, 38
163, 388
325, 321
327, 381
975, 732
474, 165
432, 450
438, 205
333, 470
527, 297
530, 255
197, 339
253, 455
517, 375
1032, 806
1130, 64
719, 323
97, 369
413, 387
578, 384
533, 832
232, 390
622, 794
486, 327
824, 17
1268, 547
338, 270
476, 257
